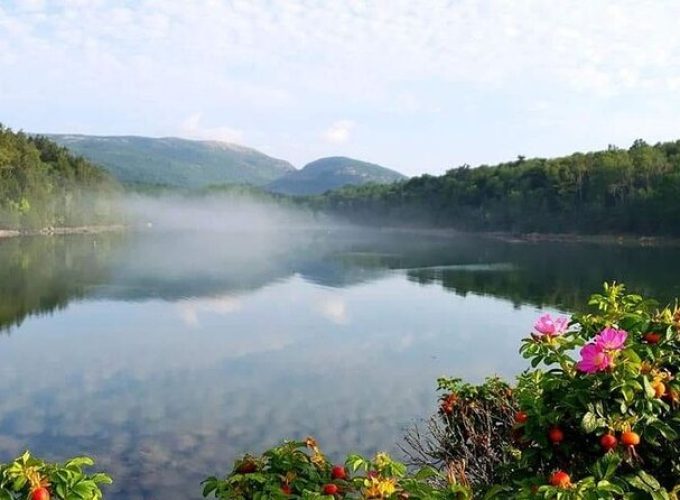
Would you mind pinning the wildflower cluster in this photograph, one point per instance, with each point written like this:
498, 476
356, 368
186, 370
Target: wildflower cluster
599, 355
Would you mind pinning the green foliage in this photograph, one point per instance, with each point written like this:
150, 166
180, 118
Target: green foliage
635, 395
67, 481
617, 190
300, 470
42, 184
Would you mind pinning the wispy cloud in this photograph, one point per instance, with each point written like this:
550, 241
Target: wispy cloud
269, 70
192, 128
339, 132
190, 310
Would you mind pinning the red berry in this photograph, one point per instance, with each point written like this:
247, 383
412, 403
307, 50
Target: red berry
521, 417
630, 438
330, 489
247, 467
652, 338
555, 435
447, 403
560, 479
40, 494
608, 442
338, 472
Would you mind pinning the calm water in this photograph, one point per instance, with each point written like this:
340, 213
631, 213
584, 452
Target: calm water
165, 355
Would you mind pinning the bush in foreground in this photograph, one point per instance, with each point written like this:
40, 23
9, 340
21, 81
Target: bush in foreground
300, 470
596, 417
600, 419
32, 478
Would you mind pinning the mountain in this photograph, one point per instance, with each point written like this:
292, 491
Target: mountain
175, 162
331, 173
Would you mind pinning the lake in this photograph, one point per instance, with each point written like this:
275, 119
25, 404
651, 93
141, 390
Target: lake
166, 354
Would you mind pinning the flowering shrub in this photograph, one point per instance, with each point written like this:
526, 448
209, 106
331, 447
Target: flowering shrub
300, 470
32, 478
600, 416
597, 416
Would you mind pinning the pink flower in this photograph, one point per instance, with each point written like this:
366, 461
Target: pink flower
611, 339
546, 325
593, 359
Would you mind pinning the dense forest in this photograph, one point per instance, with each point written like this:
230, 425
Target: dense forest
633, 191
42, 184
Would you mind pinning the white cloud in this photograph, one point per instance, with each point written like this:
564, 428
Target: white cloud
356, 48
334, 309
189, 310
271, 68
191, 128
339, 132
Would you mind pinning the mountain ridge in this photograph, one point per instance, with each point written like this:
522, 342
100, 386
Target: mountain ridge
175, 161
333, 172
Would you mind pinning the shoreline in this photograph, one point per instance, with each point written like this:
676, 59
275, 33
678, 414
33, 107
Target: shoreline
505, 236
57, 231
602, 239
524, 238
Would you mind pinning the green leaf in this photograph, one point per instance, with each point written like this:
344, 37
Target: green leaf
80, 462
649, 390
101, 478
589, 422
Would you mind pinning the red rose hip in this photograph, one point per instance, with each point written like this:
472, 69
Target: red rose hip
338, 472
560, 479
608, 442
40, 494
630, 438
330, 489
555, 435
652, 338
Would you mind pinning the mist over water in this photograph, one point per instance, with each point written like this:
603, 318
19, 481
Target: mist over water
218, 213
228, 324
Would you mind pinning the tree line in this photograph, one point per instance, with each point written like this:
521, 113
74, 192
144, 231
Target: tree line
42, 184
635, 190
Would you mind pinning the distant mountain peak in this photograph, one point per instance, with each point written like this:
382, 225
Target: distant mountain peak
332, 172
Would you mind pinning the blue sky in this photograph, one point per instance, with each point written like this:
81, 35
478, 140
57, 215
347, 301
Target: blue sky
420, 86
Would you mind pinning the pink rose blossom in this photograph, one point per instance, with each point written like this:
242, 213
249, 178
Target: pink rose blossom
611, 339
546, 325
593, 359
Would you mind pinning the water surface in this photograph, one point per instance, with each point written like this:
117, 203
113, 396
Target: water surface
166, 354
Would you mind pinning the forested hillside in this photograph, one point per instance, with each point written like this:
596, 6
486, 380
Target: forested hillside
42, 184
175, 162
612, 191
